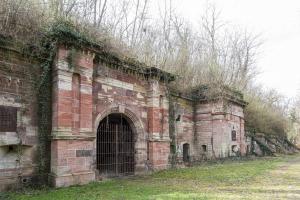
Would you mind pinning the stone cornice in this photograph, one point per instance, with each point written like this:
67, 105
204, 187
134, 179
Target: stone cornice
72, 137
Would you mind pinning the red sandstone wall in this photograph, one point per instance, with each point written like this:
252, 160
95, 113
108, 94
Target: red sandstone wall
215, 122
116, 91
145, 103
72, 135
184, 128
85, 94
158, 125
113, 88
17, 76
207, 128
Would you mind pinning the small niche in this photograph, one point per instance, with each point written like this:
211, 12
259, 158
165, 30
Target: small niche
233, 135
204, 148
234, 148
25, 180
178, 118
186, 152
11, 149
161, 101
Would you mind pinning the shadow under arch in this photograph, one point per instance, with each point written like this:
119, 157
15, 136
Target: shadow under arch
133, 120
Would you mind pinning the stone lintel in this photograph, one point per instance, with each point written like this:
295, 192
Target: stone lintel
62, 68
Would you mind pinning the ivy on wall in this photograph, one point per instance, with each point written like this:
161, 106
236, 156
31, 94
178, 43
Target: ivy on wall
172, 130
43, 51
59, 33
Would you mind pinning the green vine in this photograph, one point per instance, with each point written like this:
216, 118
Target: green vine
43, 51
59, 33
71, 58
172, 129
44, 86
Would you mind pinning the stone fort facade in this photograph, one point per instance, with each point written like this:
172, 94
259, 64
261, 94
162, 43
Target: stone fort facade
109, 118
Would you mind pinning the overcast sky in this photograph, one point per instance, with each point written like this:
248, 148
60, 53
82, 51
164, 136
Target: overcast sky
278, 23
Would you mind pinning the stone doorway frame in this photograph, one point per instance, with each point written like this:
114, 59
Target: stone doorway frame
140, 135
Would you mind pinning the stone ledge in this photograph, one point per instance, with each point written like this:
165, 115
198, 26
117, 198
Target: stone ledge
66, 180
9, 138
159, 139
72, 137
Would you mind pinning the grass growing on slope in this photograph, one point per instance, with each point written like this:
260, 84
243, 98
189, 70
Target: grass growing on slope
221, 173
207, 181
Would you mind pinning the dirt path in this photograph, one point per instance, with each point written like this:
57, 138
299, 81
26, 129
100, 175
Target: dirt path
280, 183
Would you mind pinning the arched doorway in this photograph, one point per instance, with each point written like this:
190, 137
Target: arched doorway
186, 152
115, 146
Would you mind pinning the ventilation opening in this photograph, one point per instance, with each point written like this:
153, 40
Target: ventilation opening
161, 101
186, 152
11, 149
204, 148
234, 149
233, 135
25, 180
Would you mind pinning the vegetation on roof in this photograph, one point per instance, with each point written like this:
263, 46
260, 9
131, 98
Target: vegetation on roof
125, 34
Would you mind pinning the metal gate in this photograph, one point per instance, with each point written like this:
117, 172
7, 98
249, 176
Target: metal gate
115, 146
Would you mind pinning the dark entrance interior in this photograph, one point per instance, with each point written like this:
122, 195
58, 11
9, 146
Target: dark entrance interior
115, 146
186, 152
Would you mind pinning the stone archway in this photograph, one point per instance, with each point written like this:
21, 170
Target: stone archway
135, 125
115, 150
134, 121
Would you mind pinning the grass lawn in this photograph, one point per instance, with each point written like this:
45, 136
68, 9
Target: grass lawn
250, 179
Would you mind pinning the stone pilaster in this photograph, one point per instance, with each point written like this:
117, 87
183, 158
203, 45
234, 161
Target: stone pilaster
158, 125
72, 138
243, 145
